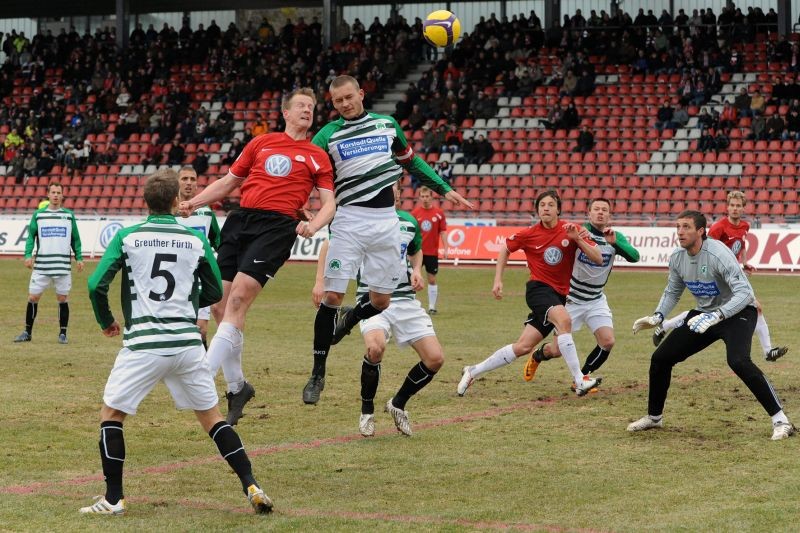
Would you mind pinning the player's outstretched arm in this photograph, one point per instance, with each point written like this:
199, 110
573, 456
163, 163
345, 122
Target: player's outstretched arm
100, 280
215, 192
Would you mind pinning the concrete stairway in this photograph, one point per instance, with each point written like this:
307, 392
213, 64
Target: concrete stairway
385, 105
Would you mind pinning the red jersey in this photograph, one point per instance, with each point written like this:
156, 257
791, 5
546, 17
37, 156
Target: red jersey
732, 236
432, 223
550, 254
278, 173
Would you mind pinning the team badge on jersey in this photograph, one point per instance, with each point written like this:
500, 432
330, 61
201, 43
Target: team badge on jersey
278, 165
426, 225
736, 248
335, 264
553, 255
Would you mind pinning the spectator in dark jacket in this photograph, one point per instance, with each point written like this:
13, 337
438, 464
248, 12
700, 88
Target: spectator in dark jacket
585, 141
484, 149
176, 153
200, 163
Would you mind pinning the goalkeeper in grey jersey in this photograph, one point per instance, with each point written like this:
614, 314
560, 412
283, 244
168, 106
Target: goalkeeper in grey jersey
724, 310
586, 301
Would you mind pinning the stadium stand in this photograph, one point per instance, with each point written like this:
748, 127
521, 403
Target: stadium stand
509, 82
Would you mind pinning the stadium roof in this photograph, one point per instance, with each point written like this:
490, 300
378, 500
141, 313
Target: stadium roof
60, 8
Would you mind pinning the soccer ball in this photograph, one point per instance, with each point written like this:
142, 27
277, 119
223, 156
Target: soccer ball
441, 28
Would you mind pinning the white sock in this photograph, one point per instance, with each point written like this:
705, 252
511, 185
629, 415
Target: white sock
570, 354
762, 330
433, 293
674, 322
502, 357
780, 418
225, 350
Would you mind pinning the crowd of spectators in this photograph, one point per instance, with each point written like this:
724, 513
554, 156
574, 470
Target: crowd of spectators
139, 90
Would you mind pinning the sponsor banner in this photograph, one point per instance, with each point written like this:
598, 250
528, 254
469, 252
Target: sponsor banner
769, 249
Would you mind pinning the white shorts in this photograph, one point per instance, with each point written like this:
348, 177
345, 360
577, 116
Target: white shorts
204, 313
367, 239
40, 282
595, 314
405, 319
186, 375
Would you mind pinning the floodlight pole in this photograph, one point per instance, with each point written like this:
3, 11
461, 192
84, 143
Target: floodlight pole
123, 23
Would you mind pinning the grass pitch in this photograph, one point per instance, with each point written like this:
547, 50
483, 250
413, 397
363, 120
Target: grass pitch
509, 455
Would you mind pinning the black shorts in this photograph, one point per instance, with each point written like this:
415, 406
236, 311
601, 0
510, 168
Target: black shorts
431, 264
256, 243
540, 298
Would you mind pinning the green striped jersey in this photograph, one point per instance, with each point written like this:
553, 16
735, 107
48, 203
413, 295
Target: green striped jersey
588, 279
410, 244
163, 265
363, 155
55, 234
205, 221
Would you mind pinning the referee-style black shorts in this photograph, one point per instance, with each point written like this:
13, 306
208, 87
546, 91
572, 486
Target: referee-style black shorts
431, 264
540, 297
255, 242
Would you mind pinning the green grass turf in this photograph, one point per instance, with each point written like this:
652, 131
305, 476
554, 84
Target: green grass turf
508, 455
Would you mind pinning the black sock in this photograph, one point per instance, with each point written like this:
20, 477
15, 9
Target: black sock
363, 311
538, 354
205, 343
417, 377
595, 360
232, 450
30, 316
112, 455
324, 324
370, 376
63, 316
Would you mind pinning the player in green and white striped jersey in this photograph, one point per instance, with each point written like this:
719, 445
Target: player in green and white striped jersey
203, 220
54, 231
368, 152
586, 301
168, 271
406, 320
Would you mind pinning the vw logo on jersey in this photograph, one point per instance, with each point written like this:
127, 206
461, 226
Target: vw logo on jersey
108, 233
553, 255
278, 165
737, 247
426, 225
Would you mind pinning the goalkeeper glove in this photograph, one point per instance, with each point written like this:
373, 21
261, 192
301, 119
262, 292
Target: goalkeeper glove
647, 322
700, 323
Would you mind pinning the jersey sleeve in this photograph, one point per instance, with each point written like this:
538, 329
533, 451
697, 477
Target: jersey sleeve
210, 277
673, 290
241, 167
517, 241
322, 137
323, 170
416, 243
76, 238
625, 249
741, 290
214, 234
101, 278
33, 231
405, 156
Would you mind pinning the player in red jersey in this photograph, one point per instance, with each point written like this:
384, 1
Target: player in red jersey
276, 173
550, 247
433, 224
732, 231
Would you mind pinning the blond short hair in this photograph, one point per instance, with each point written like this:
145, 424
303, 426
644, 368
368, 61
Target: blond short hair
738, 195
302, 91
